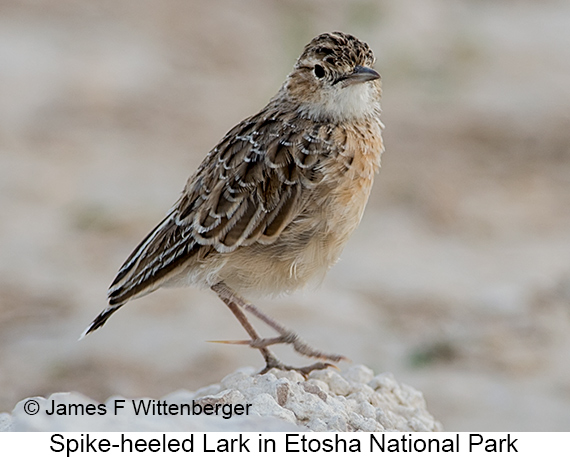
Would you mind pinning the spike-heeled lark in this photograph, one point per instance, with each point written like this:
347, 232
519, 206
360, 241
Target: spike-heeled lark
273, 204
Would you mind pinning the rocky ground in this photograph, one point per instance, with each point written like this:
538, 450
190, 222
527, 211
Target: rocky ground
325, 401
458, 279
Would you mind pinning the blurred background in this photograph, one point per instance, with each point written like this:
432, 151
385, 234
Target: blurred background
457, 280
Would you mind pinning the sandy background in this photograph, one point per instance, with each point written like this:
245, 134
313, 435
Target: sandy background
458, 279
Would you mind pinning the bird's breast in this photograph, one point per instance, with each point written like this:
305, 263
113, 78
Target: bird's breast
314, 240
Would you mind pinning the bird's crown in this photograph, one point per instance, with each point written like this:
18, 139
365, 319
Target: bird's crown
336, 51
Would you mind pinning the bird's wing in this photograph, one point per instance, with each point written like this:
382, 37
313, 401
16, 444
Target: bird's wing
251, 186
247, 190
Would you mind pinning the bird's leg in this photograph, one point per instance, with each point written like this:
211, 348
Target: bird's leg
271, 361
235, 302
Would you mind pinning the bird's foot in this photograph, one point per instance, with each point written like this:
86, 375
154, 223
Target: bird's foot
273, 362
288, 337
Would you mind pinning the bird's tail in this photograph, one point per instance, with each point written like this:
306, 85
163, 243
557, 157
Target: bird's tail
100, 320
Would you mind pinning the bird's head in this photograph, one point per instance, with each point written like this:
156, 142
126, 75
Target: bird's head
334, 79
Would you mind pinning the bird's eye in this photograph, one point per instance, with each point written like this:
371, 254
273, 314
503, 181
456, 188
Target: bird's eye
319, 71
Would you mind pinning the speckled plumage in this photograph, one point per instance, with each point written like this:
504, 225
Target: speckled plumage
272, 205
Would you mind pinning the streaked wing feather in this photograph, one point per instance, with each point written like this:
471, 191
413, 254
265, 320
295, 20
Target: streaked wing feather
250, 186
158, 255
247, 190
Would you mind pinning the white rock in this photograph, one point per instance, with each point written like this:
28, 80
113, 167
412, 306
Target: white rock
354, 400
359, 374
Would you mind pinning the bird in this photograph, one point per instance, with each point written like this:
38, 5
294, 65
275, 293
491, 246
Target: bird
272, 205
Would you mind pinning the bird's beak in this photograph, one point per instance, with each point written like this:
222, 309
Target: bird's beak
359, 75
